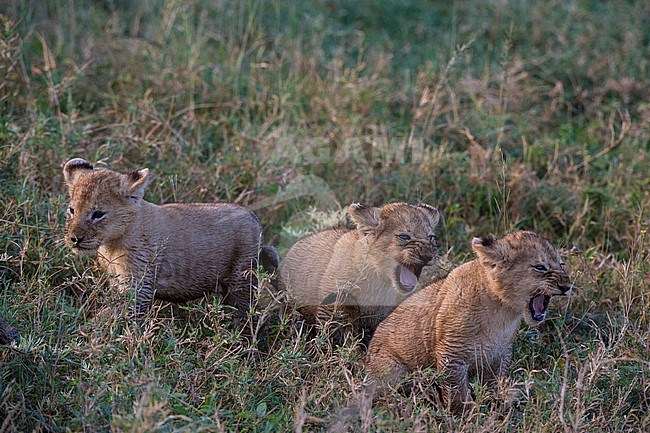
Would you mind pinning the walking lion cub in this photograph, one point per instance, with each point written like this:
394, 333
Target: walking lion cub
362, 274
465, 324
174, 252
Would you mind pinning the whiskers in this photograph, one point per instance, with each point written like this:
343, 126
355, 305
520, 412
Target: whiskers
60, 243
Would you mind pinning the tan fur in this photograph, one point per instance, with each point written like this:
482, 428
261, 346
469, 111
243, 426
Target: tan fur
356, 272
465, 324
175, 252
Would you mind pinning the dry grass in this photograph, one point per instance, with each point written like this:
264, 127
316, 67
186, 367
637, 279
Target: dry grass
503, 114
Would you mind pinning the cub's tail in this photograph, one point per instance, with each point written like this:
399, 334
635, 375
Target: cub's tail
269, 258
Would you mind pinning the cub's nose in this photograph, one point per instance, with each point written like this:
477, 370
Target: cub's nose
76, 240
428, 259
565, 288
428, 253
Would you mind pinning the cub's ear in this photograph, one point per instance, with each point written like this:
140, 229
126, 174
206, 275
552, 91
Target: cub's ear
431, 212
490, 251
134, 183
367, 218
75, 168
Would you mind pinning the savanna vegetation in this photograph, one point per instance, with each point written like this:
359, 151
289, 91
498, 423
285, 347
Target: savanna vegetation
503, 114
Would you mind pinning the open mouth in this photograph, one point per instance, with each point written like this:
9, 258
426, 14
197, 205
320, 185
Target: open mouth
408, 276
538, 305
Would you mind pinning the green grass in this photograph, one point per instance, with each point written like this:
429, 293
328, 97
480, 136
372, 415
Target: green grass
505, 115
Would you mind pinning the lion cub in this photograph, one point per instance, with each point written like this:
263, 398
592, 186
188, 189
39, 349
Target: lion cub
174, 252
362, 274
465, 324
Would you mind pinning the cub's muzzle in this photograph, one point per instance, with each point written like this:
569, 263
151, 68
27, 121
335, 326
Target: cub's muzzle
566, 289
75, 240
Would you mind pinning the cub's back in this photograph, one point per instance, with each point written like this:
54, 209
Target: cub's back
194, 220
202, 244
305, 264
218, 227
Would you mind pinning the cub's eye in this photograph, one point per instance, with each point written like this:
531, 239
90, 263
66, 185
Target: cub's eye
71, 210
540, 268
404, 237
97, 214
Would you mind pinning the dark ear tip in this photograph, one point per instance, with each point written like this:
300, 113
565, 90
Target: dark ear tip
134, 175
432, 211
137, 175
488, 241
484, 241
357, 209
429, 207
76, 163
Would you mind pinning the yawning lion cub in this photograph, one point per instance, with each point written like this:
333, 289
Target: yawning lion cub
362, 274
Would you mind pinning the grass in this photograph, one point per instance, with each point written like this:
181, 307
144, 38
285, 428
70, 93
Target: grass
505, 115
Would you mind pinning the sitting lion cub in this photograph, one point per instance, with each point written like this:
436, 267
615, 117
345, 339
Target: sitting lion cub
465, 324
173, 252
362, 274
